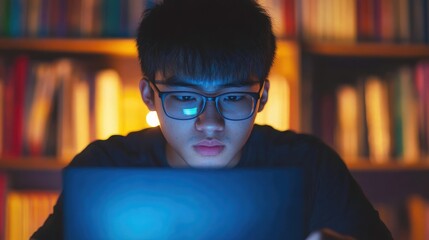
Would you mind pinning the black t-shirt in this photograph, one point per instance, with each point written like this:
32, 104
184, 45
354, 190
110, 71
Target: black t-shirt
333, 198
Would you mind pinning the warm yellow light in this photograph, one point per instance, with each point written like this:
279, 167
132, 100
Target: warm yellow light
152, 119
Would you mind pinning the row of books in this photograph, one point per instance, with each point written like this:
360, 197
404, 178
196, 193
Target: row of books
55, 108
404, 21
22, 212
71, 18
401, 21
26, 211
380, 117
406, 219
102, 18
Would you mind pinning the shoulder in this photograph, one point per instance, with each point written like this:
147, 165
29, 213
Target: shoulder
290, 147
269, 135
136, 148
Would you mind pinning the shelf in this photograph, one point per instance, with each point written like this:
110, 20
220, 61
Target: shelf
119, 47
365, 165
31, 164
367, 50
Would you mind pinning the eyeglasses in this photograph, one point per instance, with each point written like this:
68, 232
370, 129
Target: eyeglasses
186, 105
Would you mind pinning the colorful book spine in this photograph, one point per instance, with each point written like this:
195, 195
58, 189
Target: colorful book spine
26, 211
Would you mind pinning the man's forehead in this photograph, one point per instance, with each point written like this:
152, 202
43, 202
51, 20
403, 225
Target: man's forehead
212, 83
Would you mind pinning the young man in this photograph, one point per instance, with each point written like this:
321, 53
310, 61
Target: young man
205, 64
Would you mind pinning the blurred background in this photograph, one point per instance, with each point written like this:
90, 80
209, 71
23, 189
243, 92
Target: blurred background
353, 72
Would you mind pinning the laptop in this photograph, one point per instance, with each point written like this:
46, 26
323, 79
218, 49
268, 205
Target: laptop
155, 203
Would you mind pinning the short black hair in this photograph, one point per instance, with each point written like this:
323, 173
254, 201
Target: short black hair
206, 39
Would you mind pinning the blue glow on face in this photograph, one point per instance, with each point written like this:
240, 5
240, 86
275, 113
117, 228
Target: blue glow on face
190, 111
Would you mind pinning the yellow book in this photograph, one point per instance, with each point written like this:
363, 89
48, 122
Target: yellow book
108, 90
26, 211
13, 216
65, 138
377, 117
347, 129
277, 110
81, 114
134, 111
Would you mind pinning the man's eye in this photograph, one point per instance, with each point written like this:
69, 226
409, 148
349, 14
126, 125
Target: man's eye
184, 98
233, 98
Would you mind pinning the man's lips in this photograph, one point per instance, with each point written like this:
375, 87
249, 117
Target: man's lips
209, 147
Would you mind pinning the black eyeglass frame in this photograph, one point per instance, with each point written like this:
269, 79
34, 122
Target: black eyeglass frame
163, 94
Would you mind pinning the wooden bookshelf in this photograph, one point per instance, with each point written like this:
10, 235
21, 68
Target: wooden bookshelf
32, 163
115, 47
368, 50
366, 165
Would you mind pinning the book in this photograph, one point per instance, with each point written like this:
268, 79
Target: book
41, 109
347, 127
135, 13
422, 88
403, 31
108, 88
405, 116
66, 131
276, 112
14, 216
2, 98
417, 19
14, 107
3, 194
290, 19
81, 113
387, 21
111, 18
417, 209
134, 111
366, 21
26, 210
17, 23
377, 117
33, 18
90, 24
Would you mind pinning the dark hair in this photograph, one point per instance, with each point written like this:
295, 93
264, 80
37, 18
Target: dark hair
206, 39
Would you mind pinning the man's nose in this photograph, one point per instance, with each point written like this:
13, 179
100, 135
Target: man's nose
210, 120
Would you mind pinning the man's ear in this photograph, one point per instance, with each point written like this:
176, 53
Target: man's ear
264, 97
147, 94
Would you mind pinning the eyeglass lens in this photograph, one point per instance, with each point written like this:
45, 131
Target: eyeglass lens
187, 105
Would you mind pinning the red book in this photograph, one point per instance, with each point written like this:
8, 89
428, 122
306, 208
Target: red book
290, 18
20, 75
365, 20
14, 107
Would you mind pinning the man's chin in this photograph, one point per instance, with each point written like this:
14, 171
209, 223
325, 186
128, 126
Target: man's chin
208, 163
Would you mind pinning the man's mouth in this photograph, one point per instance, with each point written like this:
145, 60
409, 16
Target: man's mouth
209, 147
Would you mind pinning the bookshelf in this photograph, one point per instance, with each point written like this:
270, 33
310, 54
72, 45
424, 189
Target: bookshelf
386, 50
315, 57
103, 46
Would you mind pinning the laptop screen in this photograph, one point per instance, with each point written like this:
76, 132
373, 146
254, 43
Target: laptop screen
154, 203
